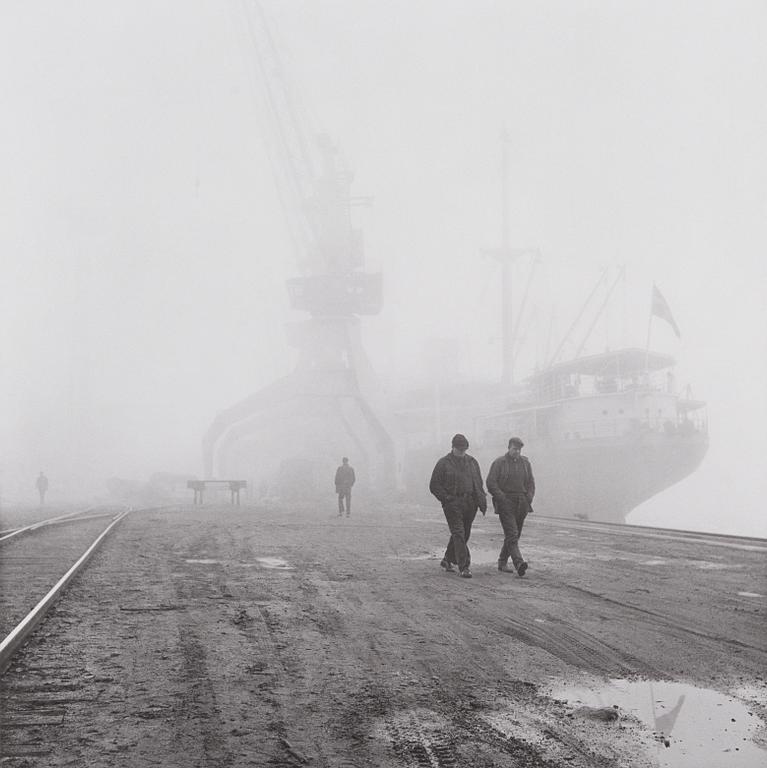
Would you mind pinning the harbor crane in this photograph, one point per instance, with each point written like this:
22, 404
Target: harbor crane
294, 427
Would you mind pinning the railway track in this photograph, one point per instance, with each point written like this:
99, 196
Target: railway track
37, 562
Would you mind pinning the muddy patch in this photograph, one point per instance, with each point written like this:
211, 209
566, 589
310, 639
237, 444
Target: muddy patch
276, 563
691, 726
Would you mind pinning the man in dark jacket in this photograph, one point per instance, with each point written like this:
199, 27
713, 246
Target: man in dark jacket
344, 482
512, 486
457, 482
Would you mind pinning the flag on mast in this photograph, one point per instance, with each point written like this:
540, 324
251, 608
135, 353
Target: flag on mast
661, 309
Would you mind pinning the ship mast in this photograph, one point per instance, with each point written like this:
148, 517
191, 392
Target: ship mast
507, 256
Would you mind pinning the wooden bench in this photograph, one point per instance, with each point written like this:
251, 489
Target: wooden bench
235, 486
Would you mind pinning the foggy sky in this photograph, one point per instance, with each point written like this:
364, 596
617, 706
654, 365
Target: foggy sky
144, 251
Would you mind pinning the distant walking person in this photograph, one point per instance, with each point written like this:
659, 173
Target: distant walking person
512, 486
344, 481
457, 482
42, 487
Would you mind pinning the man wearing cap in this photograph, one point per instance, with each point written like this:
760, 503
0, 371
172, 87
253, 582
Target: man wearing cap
457, 482
344, 482
512, 486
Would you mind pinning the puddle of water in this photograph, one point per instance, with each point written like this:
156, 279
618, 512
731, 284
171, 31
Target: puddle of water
653, 562
750, 594
274, 562
694, 727
202, 562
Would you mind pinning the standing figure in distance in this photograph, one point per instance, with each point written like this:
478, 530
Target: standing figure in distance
457, 482
42, 487
344, 482
512, 486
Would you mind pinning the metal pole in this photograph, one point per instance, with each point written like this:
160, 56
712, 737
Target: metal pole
507, 375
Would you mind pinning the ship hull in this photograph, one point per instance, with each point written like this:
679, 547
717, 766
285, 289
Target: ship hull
600, 480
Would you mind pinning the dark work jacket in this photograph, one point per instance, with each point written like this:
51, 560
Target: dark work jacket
498, 479
344, 478
444, 481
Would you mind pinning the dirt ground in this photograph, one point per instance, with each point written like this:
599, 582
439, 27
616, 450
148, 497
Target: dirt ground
223, 636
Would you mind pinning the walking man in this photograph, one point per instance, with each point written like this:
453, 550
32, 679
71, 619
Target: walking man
42, 487
457, 482
344, 482
512, 485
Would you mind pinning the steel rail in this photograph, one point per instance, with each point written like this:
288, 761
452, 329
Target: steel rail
735, 541
69, 517
19, 635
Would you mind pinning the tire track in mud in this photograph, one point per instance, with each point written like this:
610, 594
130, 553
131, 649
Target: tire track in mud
552, 634
263, 662
574, 646
198, 709
668, 622
415, 732
531, 736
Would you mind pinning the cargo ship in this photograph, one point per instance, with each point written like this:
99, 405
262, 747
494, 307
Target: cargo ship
604, 432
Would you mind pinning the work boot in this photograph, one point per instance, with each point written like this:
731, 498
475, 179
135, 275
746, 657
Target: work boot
504, 567
522, 568
466, 573
449, 567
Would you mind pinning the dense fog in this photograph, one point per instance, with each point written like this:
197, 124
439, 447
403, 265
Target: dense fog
144, 248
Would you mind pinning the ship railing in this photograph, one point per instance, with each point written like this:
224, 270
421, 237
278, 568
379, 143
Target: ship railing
601, 428
590, 429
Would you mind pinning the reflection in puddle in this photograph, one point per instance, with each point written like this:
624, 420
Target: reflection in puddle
274, 562
202, 562
694, 727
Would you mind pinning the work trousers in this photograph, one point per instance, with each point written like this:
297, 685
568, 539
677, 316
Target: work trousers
344, 494
460, 514
512, 511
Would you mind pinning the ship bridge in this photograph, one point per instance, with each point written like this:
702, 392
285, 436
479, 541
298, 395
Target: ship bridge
603, 397
617, 371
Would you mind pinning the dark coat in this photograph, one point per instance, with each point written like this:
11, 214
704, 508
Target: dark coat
444, 481
498, 479
344, 478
